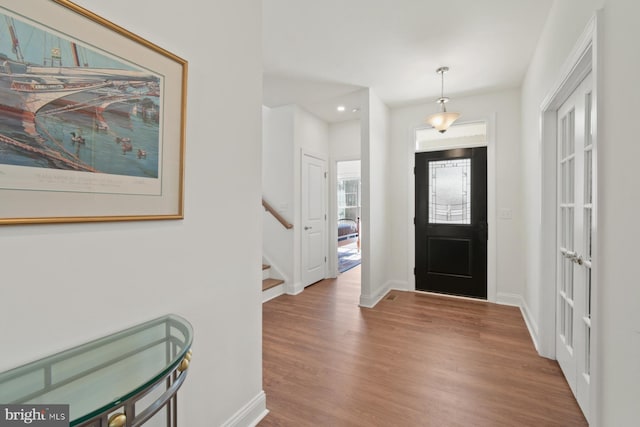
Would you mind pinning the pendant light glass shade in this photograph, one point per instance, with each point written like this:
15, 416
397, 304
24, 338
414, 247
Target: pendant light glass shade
442, 120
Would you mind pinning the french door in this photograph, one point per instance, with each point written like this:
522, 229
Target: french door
575, 224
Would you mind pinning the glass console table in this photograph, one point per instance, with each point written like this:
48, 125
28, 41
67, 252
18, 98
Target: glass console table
123, 379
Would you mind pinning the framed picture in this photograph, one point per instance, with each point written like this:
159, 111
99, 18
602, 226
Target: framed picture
92, 119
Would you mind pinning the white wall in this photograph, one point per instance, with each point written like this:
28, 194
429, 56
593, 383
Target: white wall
277, 187
617, 310
65, 284
375, 200
311, 133
502, 110
344, 140
619, 286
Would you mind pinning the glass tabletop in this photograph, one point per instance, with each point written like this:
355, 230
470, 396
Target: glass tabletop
100, 375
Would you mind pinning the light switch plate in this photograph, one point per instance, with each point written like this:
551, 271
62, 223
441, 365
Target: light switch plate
506, 213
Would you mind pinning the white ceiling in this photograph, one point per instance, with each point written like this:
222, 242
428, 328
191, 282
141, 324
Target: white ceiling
320, 53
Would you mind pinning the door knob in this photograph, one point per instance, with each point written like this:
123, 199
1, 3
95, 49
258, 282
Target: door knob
573, 256
307, 228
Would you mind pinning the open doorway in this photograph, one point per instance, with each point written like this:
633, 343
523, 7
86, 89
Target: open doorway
348, 214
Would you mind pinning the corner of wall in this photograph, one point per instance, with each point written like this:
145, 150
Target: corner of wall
370, 301
516, 300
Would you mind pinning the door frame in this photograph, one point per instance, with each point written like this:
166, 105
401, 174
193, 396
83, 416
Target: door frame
332, 234
491, 211
583, 59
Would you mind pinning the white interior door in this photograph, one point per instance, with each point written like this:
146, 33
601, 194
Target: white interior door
314, 220
575, 223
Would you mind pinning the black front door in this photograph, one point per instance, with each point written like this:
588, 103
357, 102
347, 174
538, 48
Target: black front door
451, 222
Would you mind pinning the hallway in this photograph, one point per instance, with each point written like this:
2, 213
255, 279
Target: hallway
413, 360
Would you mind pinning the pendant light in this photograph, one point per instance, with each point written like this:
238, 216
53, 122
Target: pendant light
442, 120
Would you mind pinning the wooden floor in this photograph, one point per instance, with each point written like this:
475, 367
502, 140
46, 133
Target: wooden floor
413, 360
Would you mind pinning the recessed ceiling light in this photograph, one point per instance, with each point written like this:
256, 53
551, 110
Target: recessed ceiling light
341, 108
355, 110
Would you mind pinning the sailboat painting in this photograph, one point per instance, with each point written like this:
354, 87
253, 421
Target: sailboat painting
67, 106
92, 118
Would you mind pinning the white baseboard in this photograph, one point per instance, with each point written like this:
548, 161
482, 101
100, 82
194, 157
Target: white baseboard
272, 293
370, 301
516, 300
509, 299
250, 414
532, 326
293, 288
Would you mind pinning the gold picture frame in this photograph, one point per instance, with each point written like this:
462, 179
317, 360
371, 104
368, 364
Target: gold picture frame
92, 119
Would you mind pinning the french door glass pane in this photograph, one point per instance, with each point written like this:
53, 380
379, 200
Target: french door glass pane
568, 228
570, 180
563, 317
587, 353
564, 137
588, 173
563, 240
563, 196
571, 133
568, 176
568, 278
588, 218
588, 291
450, 191
569, 271
569, 323
588, 134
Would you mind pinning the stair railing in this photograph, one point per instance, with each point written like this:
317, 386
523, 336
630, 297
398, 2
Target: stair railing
267, 207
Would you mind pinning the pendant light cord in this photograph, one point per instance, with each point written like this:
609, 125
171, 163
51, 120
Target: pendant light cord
442, 102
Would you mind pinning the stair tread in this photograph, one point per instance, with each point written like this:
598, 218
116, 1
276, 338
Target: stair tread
265, 266
271, 283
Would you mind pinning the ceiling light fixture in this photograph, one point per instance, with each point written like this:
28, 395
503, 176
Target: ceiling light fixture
341, 108
442, 120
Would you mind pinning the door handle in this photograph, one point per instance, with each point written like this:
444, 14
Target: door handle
307, 228
573, 256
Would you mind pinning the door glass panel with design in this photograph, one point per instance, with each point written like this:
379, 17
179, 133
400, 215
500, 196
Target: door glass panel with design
450, 192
